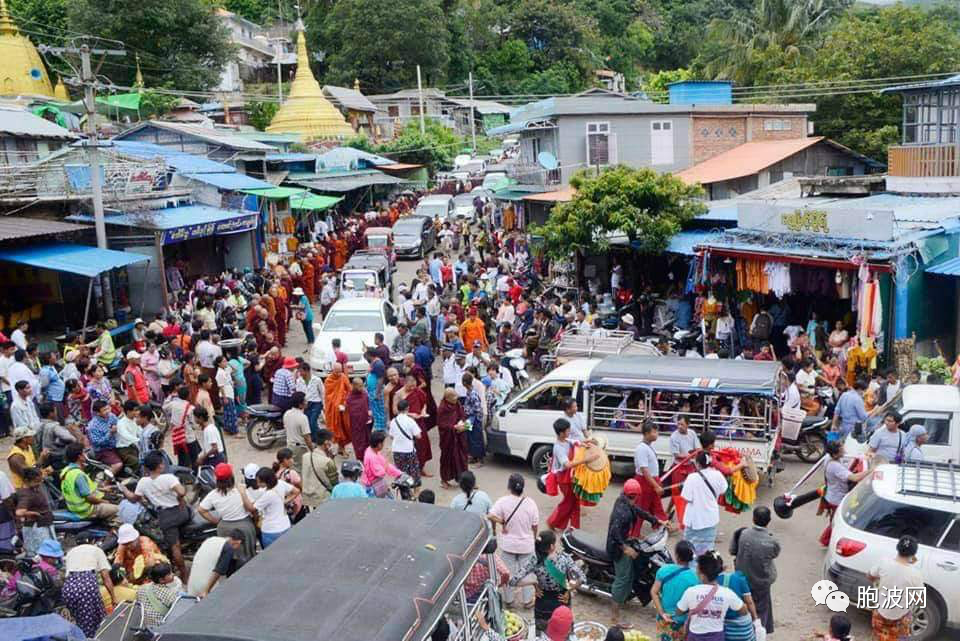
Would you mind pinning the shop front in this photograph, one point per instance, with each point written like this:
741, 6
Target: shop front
193, 239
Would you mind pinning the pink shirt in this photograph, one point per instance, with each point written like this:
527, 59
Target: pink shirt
517, 536
375, 466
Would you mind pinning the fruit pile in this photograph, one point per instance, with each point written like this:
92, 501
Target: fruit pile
516, 627
634, 635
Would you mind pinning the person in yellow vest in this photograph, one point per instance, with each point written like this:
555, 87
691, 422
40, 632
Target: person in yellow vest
22, 456
80, 492
104, 351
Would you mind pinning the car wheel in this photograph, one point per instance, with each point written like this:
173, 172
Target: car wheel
539, 458
927, 622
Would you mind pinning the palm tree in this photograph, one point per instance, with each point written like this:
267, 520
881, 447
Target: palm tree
789, 27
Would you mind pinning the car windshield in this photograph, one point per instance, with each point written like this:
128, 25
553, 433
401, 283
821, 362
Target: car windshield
377, 241
464, 200
353, 321
409, 230
432, 209
867, 511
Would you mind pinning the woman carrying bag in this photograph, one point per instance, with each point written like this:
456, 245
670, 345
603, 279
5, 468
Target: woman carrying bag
554, 574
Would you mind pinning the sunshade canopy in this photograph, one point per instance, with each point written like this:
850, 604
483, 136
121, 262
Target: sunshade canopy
74, 259
694, 374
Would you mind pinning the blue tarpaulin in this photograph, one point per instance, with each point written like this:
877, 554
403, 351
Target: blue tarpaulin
74, 259
47, 627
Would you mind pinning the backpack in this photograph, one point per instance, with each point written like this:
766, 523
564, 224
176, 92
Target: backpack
762, 325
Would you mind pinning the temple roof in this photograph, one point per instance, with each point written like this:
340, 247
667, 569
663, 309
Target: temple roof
307, 111
22, 72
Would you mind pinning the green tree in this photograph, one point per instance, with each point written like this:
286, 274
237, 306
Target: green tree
679, 27
501, 70
878, 43
181, 43
435, 148
381, 42
260, 114
154, 105
647, 206
44, 21
623, 39
555, 34
791, 28
655, 84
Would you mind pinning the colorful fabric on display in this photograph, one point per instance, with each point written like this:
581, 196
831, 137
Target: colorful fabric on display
741, 493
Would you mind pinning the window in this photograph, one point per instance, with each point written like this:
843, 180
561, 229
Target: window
868, 512
777, 124
548, 397
661, 142
952, 540
415, 109
938, 428
393, 111
598, 143
931, 117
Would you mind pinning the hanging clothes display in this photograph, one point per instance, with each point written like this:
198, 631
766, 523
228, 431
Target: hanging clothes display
778, 278
751, 276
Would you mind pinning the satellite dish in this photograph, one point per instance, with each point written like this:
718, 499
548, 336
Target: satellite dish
547, 160
461, 160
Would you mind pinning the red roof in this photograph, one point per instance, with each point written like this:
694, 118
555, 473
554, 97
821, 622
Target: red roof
745, 160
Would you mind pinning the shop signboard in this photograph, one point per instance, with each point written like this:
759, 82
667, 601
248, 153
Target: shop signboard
202, 230
861, 224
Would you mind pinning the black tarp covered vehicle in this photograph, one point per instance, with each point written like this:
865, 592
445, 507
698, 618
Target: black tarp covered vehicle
353, 570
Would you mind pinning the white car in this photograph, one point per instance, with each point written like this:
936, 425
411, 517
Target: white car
463, 208
354, 321
918, 499
493, 179
435, 205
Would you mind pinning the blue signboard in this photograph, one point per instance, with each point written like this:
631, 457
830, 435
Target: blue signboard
218, 228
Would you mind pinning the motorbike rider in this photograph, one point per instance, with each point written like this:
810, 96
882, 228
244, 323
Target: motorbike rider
625, 513
82, 495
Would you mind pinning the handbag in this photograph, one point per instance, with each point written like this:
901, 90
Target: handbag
380, 488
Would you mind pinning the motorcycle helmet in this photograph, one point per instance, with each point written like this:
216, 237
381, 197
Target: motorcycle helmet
351, 469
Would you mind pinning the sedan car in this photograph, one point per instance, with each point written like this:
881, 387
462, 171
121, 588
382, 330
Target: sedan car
413, 236
354, 321
463, 208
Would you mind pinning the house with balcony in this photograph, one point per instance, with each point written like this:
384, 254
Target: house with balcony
257, 53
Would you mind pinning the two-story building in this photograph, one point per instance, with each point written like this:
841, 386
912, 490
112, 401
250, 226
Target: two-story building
598, 127
256, 53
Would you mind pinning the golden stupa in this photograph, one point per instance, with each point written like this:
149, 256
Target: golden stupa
307, 111
23, 73
60, 91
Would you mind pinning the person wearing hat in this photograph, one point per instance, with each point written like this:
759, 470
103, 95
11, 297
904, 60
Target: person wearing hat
348, 290
21, 455
134, 380
916, 437
136, 553
371, 290
304, 314
50, 557
626, 511
284, 384
452, 369
223, 507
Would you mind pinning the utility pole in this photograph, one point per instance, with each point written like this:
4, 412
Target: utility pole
473, 128
88, 80
423, 126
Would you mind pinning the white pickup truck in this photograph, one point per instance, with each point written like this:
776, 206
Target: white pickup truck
616, 394
936, 407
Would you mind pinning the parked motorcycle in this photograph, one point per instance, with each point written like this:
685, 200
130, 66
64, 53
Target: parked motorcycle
192, 535
591, 552
514, 361
404, 485
265, 426
35, 591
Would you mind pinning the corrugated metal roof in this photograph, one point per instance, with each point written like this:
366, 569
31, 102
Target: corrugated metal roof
170, 218
745, 160
340, 184
209, 134
231, 182
181, 161
348, 157
950, 81
559, 196
483, 106
349, 98
947, 268
291, 157
314, 202
19, 227
19, 122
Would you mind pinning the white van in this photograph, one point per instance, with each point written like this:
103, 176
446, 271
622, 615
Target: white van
435, 205
738, 400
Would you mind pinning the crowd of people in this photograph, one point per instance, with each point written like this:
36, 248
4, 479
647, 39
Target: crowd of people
181, 390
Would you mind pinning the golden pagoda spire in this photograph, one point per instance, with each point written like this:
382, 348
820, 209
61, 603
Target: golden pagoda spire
22, 72
356, 84
307, 111
60, 91
138, 80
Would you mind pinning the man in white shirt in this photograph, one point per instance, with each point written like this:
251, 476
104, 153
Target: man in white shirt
807, 377
477, 357
897, 576
421, 293
683, 440
19, 335
702, 513
404, 431
18, 371
328, 294
128, 435
791, 396
452, 371
647, 468
297, 426
166, 494
207, 351
578, 424
23, 411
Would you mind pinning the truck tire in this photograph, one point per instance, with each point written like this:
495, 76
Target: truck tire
927, 622
538, 459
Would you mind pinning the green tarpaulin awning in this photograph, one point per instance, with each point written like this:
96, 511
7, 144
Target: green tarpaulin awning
313, 202
277, 193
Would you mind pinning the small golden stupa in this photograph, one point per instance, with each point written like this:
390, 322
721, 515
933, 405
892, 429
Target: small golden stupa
22, 72
306, 110
60, 91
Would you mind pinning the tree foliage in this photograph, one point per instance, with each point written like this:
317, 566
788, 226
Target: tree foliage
435, 148
260, 114
154, 105
44, 21
647, 206
381, 42
181, 43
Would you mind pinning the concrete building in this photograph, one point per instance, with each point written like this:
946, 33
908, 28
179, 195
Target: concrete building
256, 53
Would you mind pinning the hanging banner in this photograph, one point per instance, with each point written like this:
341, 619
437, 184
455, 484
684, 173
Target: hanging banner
202, 230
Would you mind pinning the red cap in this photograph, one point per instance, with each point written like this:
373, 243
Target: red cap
632, 488
561, 621
290, 362
223, 471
